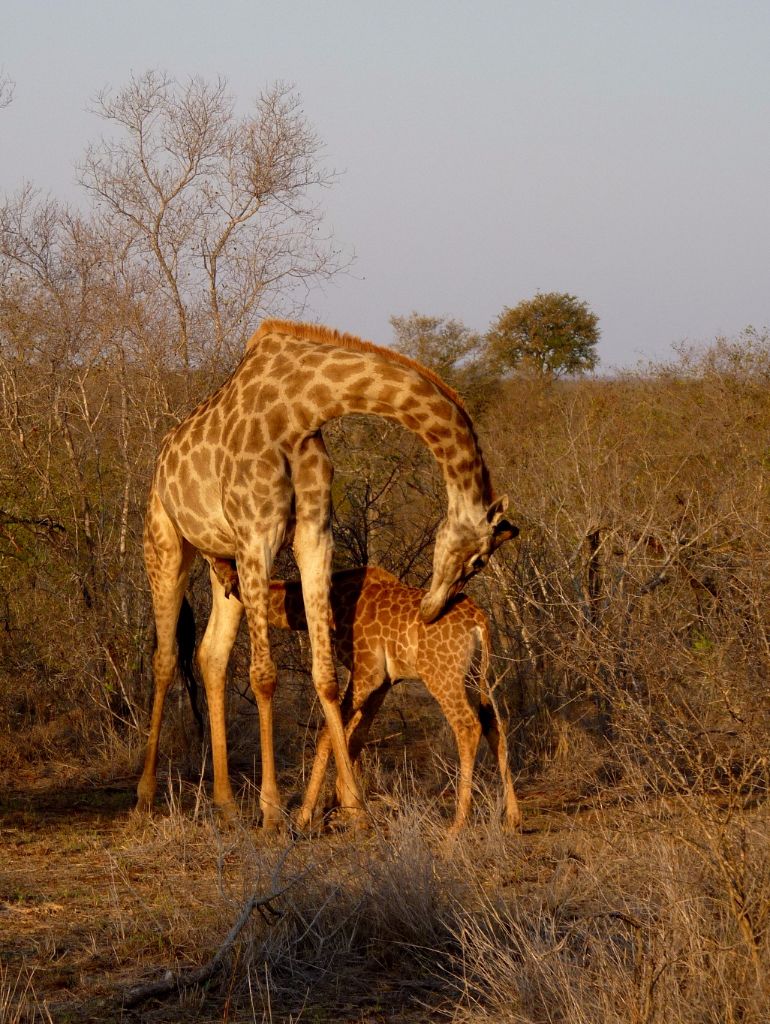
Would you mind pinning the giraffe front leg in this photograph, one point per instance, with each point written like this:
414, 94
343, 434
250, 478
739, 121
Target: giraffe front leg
449, 690
320, 761
213, 656
467, 735
312, 547
351, 712
317, 773
367, 703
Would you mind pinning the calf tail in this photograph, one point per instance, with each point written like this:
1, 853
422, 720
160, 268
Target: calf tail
487, 712
286, 609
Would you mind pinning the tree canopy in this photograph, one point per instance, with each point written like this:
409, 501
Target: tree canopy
553, 334
219, 210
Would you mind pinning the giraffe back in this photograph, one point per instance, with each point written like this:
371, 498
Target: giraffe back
376, 614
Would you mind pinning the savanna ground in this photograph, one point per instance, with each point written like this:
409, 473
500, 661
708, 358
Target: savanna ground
611, 905
631, 637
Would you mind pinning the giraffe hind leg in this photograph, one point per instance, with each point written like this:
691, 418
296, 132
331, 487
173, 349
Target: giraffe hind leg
168, 559
494, 733
213, 656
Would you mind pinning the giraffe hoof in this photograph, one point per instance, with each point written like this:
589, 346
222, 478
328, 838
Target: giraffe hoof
144, 800
343, 819
142, 809
227, 814
300, 824
272, 820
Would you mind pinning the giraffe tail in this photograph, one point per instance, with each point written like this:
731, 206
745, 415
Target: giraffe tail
488, 713
185, 639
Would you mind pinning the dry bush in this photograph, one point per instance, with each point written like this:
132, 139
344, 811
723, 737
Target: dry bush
359, 919
654, 919
632, 618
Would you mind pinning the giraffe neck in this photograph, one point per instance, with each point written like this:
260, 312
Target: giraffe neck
454, 445
326, 375
402, 394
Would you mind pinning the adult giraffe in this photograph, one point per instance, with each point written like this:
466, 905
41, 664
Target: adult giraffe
247, 471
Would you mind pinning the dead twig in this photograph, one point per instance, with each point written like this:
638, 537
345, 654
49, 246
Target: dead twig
177, 981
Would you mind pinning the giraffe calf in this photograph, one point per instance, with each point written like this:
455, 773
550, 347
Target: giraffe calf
381, 638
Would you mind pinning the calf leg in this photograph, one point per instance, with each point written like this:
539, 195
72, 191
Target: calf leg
450, 693
353, 709
498, 744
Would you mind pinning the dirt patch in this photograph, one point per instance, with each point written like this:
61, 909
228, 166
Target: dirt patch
94, 900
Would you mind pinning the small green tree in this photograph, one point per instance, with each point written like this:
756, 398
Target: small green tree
553, 334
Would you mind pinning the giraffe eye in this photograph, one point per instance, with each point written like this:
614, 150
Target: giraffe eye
478, 563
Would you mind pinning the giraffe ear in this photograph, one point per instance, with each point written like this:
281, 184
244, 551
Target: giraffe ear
502, 530
496, 509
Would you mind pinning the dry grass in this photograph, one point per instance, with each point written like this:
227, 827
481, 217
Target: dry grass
635, 921
615, 908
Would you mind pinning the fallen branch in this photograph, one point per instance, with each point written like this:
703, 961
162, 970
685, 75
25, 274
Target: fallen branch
177, 981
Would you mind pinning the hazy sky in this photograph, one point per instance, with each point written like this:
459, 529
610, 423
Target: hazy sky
616, 150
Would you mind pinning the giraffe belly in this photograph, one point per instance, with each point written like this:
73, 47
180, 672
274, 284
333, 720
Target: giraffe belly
214, 536
199, 518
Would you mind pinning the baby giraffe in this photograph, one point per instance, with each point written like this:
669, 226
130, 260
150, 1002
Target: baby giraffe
381, 638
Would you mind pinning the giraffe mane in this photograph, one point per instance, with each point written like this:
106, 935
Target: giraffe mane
329, 336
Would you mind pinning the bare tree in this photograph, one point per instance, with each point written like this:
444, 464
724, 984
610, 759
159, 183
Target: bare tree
7, 86
222, 208
450, 348
82, 409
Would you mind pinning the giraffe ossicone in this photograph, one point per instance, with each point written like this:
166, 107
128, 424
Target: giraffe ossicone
247, 471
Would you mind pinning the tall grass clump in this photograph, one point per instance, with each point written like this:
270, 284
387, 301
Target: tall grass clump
662, 921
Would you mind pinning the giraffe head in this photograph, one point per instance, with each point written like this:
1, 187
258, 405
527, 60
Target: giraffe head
463, 549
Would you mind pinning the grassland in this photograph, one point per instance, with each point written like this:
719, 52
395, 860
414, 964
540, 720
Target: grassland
632, 652
610, 906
